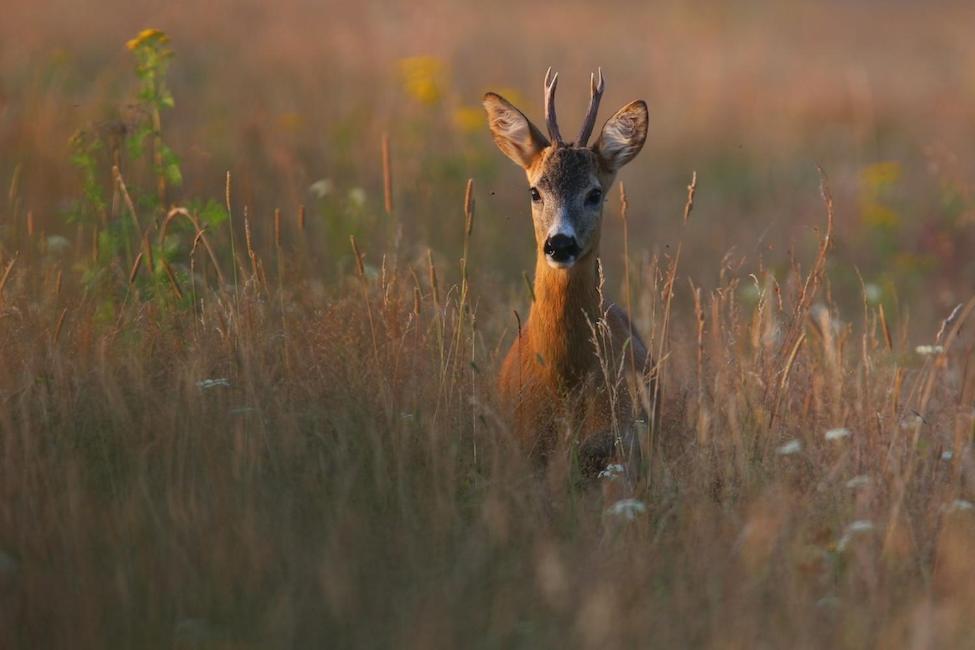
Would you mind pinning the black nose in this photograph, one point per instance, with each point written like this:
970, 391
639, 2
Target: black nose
561, 248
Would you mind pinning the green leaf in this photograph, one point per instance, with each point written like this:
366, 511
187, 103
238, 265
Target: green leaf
170, 166
136, 141
213, 214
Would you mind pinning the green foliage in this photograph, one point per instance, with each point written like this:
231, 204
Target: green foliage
212, 213
84, 153
151, 167
153, 55
169, 166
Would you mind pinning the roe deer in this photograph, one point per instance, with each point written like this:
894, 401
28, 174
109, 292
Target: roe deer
553, 380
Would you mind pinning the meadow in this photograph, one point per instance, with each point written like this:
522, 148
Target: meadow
259, 264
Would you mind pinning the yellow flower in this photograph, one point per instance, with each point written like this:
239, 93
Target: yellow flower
469, 118
147, 36
423, 78
875, 181
880, 175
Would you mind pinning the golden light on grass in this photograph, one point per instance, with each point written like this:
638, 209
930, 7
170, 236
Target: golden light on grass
311, 453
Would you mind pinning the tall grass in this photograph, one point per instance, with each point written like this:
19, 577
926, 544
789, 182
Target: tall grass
281, 466
270, 420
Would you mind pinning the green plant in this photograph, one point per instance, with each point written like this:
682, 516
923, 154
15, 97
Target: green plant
153, 55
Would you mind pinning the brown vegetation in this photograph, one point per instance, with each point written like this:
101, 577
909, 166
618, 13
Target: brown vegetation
229, 427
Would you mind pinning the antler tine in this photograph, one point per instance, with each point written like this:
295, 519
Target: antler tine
596, 93
553, 126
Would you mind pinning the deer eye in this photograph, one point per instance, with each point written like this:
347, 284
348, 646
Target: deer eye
536, 197
594, 197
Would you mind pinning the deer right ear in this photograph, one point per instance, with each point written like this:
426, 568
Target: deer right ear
514, 134
623, 136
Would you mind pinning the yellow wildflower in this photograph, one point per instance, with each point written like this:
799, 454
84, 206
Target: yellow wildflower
423, 78
879, 175
147, 36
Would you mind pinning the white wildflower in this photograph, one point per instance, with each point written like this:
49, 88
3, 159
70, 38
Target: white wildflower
858, 481
58, 244
856, 528
322, 187
911, 420
791, 447
838, 433
612, 471
627, 508
873, 293
207, 384
947, 454
929, 350
961, 504
357, 197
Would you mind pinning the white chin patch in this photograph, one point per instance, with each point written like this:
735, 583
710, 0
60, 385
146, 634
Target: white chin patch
564, 264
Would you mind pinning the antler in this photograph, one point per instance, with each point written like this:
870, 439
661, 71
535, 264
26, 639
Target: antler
553, 126
596, 90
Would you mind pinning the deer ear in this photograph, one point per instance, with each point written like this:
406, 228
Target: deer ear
623, 136
514, 134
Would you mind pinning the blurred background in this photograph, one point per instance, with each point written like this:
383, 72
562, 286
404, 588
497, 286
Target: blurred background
293, 97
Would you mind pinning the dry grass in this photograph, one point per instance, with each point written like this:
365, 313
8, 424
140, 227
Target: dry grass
279, 468
273, 438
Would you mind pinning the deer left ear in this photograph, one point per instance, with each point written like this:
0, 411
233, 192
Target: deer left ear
514, 134
623, 136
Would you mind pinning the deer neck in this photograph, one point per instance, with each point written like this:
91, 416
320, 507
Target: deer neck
559, 326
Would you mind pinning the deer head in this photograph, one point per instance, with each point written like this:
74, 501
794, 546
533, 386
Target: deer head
568, 181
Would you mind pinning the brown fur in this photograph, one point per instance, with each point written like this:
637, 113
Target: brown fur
552, 380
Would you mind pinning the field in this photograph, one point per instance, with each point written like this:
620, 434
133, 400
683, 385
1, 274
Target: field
259, 264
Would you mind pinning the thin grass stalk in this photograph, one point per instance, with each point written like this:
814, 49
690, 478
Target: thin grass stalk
627, 290
135, 267
59, 326
364, 283
6, 276
172, 279
807, 293
464, 280
147, 257
661, 357
438, 310
200, 236
279, 259
814, 279
117, 175
474, 401
699, 319
528, 283
251, 255
954, 321
233, 246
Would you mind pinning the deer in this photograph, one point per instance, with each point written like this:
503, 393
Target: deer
553, 379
